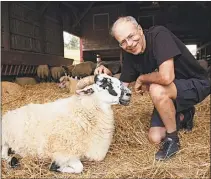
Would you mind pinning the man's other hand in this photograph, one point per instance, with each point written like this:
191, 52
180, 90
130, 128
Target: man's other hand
102, 69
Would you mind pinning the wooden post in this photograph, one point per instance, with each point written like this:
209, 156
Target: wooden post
121, 56
6, 23
61, 17
81, 51
41, 15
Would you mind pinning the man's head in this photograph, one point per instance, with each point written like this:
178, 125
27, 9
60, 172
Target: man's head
129, 34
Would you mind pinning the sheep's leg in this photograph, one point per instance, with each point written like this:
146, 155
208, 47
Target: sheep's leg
5, 151
98, 149
7, 154
65, 164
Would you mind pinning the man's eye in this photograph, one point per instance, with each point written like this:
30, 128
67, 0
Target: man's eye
131, 36
123, 42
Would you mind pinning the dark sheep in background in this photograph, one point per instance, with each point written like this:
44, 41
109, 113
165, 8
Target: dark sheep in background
43, 73
113, 66
57, 73
84, 69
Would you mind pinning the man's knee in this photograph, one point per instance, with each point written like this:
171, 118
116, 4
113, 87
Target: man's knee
156, 134
160, 92
157, 92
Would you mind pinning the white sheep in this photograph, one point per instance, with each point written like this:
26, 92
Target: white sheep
67, 130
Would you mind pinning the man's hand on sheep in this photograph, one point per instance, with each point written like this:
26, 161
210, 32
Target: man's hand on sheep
102, 69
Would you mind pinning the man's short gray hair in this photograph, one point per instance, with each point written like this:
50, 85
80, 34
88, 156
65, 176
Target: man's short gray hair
121, 20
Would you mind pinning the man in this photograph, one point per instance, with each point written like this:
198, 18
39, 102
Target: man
157, 59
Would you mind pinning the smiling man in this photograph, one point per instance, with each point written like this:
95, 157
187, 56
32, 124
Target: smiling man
160, 63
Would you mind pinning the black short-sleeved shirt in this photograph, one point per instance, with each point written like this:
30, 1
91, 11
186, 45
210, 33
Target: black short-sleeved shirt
161, 45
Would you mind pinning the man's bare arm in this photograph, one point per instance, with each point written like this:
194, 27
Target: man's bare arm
164, 76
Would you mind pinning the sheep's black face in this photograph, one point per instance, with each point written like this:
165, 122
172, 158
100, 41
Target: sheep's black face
118, 93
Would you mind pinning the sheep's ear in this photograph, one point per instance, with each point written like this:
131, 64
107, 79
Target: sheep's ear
85, 91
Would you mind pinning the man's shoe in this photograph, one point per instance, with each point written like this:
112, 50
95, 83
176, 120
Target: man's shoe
187, 122
169, 147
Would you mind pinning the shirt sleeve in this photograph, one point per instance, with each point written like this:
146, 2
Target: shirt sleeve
128, 72
165, 46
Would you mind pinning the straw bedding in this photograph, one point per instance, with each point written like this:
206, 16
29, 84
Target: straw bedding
131, 154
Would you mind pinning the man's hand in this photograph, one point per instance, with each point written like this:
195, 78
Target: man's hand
140, 87
102, 69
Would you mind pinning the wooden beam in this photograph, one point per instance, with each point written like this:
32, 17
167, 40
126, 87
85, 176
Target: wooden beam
83, 14
42, 25
73, 9
43, 8
61, 29
203, 46
70, 6
28, 58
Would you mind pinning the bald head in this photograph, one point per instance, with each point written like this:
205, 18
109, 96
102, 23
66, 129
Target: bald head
123, 20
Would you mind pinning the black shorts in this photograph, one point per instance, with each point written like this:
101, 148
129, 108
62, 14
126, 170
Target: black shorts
189, 93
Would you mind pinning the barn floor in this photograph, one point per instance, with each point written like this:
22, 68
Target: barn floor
131, 154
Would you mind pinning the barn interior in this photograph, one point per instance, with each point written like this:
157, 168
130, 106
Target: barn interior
32, 35
32, 32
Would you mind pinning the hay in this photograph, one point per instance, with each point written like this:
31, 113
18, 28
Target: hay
10, 92
131, 154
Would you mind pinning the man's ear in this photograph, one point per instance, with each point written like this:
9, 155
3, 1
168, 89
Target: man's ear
85, 91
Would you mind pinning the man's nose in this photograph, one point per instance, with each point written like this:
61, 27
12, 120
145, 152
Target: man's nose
129, 42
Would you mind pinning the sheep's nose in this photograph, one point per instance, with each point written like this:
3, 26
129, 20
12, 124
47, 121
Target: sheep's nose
128, 94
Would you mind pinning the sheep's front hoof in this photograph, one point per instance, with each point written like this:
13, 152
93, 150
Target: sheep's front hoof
14, 163
10, 151
54, 167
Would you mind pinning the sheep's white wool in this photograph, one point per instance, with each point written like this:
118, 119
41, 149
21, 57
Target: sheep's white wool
67, 130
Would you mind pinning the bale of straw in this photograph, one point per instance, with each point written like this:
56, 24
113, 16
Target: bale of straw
10, 92
25, 81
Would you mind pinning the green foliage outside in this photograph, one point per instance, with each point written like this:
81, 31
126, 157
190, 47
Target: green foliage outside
72, 43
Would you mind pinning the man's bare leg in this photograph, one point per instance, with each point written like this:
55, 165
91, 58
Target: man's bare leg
162, 97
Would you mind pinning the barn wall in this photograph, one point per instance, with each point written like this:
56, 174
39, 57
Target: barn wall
96, 26
32, 34
193, 26
28, 31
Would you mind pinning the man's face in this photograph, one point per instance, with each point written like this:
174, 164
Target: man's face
130, 37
